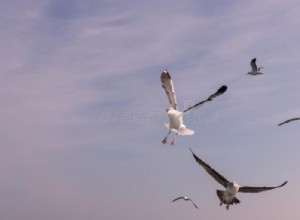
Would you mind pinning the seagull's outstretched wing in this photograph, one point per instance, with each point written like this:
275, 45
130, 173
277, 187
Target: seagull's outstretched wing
287, 121
220, 91
253, 64
252, 189
214, 174
167, 84
181, 197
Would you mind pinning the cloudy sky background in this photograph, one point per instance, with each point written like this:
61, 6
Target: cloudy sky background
82, 108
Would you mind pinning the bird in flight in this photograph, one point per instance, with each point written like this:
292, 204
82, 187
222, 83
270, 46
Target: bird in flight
186, 199
227, 196
287, 121
175, 116
255, 70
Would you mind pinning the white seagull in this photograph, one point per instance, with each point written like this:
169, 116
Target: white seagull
287, 121
255, 69
175, 116
228, 196
186, 199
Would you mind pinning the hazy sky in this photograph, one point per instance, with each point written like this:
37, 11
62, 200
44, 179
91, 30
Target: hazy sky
83, 111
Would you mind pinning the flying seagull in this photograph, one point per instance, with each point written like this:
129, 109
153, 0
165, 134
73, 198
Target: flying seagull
255, 70
175, 116
186, 199
228, 196
287, 121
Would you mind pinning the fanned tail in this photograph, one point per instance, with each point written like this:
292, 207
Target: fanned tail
185, 131
220, 194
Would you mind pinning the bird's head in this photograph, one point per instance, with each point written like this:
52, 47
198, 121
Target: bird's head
233, 185
237, 186
170, 111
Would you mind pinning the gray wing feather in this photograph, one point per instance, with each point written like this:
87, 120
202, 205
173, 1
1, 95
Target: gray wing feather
167, 84
214, 174
194, 204
253, 64
178, 198
253, 189
287, 121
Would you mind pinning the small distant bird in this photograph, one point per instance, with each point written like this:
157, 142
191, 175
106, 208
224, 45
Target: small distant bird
255, 69
228, 196
175, 116
186, 199
287, 121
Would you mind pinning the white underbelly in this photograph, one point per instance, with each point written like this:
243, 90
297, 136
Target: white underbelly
175, 122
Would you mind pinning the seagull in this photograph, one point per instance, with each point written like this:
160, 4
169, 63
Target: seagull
255, 69
176, 123
228, 196
287, 121
186, 199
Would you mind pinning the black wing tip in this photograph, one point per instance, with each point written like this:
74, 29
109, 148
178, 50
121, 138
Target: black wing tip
191, 151
223, 89
285, 182
254, 59
195, 156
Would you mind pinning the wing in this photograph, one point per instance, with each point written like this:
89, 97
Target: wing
287, 121
251, 189
167, 84
193, 203
253, 64
178, 198
214, 174
220, 91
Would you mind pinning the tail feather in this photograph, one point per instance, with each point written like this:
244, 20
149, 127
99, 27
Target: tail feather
220, 194
235, 201
185, 131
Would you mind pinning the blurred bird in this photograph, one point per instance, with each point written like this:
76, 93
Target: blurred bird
255, 69
186, 199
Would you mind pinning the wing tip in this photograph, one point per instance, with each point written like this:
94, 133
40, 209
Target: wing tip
194, 155
191, 150
223, 88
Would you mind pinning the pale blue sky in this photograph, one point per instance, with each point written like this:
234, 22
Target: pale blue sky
82, 108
